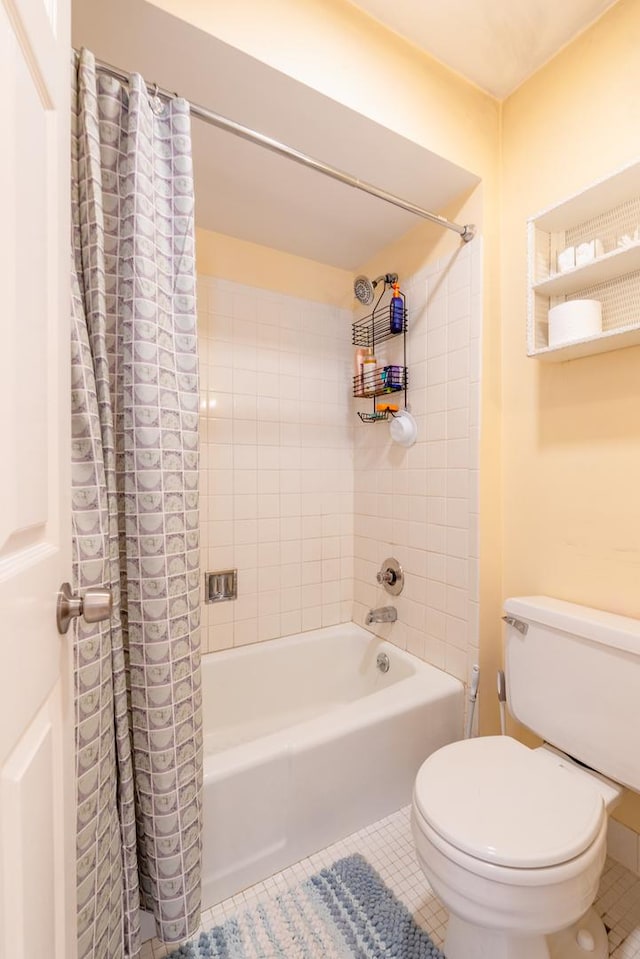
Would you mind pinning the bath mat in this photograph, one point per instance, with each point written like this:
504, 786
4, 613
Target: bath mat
343, 912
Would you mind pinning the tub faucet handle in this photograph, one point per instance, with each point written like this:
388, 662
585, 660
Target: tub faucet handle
386, 576
391, 576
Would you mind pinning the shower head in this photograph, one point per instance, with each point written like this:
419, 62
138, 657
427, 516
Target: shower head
363, 287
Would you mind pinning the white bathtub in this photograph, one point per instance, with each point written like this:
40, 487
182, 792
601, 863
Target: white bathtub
307, 741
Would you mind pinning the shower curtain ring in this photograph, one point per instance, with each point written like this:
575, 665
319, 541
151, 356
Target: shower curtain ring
156, 102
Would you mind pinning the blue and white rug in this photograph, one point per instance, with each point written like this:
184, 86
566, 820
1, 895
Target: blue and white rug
343, 912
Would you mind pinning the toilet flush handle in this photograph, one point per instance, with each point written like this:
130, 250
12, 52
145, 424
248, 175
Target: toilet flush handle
516, 623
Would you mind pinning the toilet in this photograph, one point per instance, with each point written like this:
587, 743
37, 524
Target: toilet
513, 839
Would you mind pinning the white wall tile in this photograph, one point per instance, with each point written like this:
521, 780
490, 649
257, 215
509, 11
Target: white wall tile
260, 353
307, 501
455, 662
417, 502
458, 364
437, 369
459, 309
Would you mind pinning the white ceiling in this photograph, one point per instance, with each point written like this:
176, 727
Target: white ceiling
247, 192
496, 44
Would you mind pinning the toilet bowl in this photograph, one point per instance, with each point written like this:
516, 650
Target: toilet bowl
513, 842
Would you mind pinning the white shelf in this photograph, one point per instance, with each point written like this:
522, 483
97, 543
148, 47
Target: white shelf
604, 211
604, 194
608, 267
603, 343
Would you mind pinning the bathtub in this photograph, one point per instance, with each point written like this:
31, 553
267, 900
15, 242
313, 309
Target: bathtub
306, 741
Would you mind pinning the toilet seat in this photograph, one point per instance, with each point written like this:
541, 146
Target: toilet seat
502, 803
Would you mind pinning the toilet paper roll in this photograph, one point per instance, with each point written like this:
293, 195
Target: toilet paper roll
574, 320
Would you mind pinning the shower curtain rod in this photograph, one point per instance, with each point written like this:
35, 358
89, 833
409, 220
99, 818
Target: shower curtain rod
466, 232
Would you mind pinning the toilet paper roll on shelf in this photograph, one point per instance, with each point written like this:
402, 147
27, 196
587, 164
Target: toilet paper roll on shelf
574, 320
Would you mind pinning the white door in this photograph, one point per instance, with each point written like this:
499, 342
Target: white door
37, 880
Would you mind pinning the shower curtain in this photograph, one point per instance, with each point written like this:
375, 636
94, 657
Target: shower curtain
135, 514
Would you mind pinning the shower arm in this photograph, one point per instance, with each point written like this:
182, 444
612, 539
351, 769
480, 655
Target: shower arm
389, 280
466, 232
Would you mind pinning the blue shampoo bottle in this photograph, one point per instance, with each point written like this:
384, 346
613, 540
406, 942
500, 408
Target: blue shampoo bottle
397, 310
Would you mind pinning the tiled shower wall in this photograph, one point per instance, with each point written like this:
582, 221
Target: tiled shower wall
289, 474
277, 461
421, 504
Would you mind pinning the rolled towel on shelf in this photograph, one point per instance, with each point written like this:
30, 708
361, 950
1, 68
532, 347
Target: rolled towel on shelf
574, 320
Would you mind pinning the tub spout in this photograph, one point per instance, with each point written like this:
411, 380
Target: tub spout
383, 614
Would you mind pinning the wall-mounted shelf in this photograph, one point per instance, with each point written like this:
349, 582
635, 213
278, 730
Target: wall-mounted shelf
604, 342
388, 378
610, 266
606, 211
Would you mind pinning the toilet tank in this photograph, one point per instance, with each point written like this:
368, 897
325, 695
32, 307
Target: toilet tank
573, 677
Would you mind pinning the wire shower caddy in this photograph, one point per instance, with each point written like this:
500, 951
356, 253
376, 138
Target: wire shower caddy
384, 381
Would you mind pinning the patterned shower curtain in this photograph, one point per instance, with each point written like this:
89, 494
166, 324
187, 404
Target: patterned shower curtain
135, 514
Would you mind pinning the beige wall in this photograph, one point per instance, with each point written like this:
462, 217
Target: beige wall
571, 430
338, 50
268, 269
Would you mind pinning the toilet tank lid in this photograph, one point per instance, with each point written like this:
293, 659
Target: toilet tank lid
608, 629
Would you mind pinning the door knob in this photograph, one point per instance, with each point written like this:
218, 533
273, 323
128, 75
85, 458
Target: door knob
95, 605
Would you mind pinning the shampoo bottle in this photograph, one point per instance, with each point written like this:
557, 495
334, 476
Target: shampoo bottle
369, 383
359, 358
397, 310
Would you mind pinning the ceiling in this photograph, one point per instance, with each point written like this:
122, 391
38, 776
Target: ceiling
245, 191
496, 44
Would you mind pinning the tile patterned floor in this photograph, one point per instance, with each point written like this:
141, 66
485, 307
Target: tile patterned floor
388, 846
